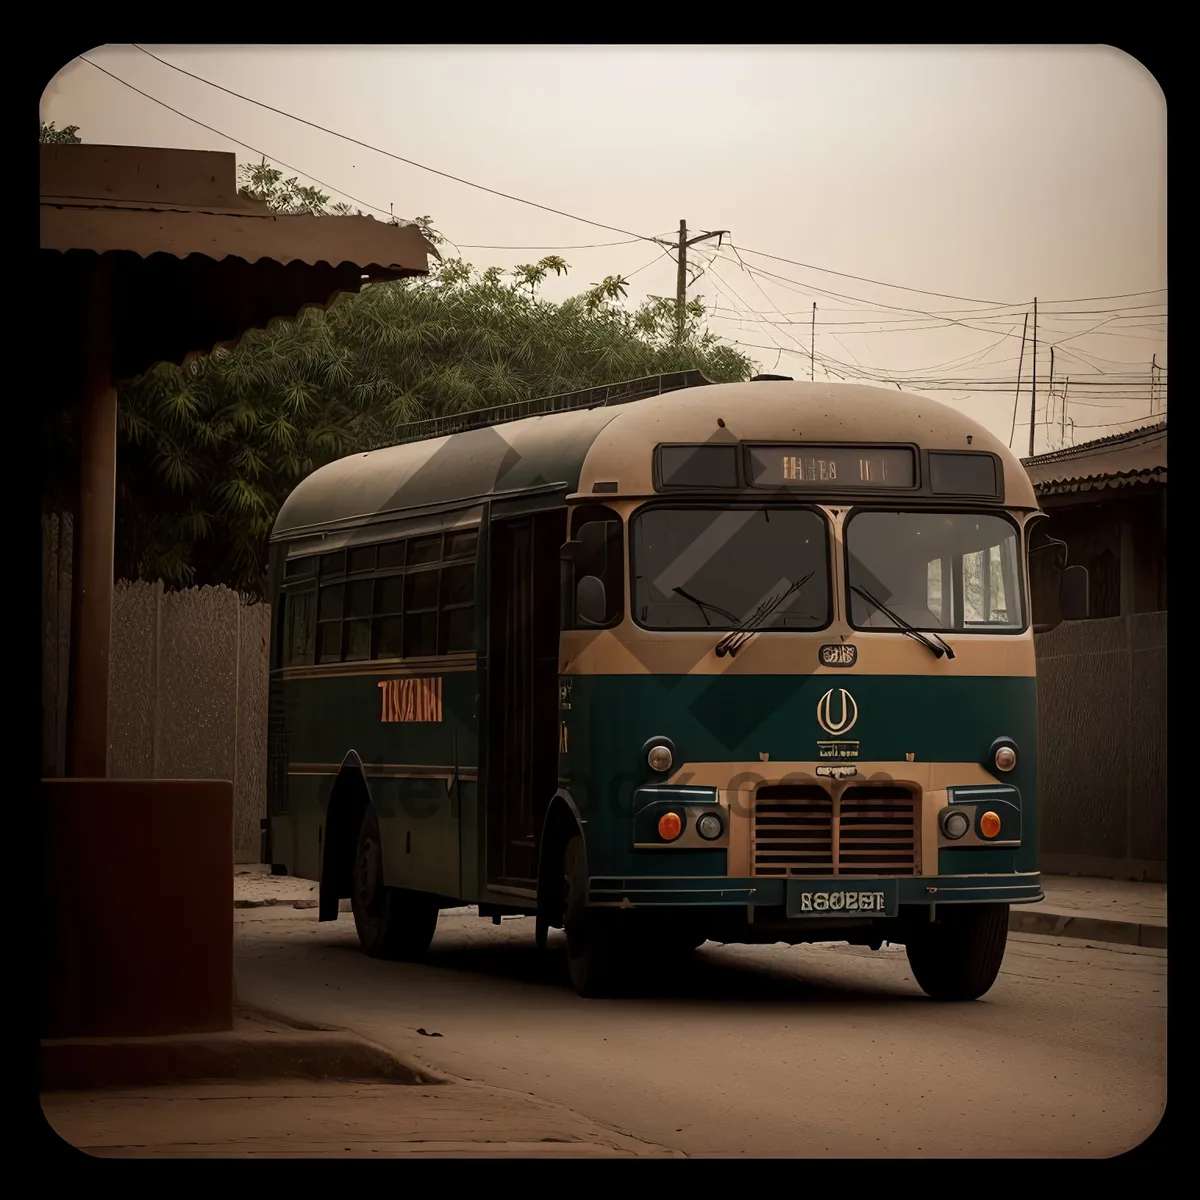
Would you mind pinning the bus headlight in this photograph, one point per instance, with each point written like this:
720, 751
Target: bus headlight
659, 758
709, 827
1002, 755
955, 824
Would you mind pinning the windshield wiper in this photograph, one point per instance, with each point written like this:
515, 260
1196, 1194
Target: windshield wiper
731, 643
702, 605
905, 628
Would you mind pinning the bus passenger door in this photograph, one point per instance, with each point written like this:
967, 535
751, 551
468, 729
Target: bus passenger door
522, 739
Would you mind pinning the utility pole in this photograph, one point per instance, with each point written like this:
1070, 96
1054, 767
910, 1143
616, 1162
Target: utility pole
1153, 381
812, 348
1012, 433
681, 279
1050, 399
1066, 388
1033, 383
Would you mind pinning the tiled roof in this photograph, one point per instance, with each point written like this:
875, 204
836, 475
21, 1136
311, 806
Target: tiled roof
1136, 456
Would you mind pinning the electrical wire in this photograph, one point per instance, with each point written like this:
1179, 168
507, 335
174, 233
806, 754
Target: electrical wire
237, 141
546, 208
943, 295
558, 212
584, 220
584, 246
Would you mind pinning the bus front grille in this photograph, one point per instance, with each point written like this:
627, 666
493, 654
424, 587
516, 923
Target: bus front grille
799, 831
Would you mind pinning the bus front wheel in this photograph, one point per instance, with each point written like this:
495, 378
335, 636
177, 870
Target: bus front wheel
391, 922
591, 958
958, 956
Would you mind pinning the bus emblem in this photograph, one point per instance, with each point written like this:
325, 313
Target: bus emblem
844, 655
846, 718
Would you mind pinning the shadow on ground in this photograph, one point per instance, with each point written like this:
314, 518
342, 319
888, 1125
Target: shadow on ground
711, 974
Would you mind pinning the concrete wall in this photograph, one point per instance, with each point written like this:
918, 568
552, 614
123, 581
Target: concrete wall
187, 692
1102, 779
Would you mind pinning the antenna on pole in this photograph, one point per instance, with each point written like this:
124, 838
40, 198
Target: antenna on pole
812, 346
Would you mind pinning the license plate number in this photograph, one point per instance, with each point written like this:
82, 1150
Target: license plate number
867, 898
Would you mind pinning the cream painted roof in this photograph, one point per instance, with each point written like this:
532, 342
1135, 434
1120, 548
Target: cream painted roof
568, 452
623, 451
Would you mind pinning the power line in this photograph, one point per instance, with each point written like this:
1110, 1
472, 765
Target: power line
660, 254
584, 246
236, 141
879, 282
937, 315
633, 236
572, 216
558, 212
943, 295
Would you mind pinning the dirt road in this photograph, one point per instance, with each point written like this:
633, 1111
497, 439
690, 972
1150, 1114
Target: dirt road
760, 1051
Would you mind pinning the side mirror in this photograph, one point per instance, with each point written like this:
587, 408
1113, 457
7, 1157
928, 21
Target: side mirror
591, 602
1073, 594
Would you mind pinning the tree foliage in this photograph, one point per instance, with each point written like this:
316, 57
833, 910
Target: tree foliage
67, 136
210, 450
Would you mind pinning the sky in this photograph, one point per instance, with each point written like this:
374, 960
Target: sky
921, 197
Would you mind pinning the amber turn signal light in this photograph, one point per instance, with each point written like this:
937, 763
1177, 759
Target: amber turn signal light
669, 826
989, 824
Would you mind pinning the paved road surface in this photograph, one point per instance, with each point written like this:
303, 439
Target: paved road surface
762, 1051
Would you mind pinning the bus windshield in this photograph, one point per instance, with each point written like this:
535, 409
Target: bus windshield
943, 572
701, 568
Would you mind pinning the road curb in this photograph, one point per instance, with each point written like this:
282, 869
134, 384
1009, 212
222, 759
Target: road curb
81, 1064
1023, 919
1091, 929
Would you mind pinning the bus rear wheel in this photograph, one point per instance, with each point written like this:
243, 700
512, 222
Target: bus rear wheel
391, 923
958, 956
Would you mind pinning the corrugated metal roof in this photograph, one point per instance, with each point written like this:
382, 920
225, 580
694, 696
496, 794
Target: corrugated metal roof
151, 200
184, 262
1121, 460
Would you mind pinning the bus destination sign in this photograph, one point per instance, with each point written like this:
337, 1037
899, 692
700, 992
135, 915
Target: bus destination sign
832, 467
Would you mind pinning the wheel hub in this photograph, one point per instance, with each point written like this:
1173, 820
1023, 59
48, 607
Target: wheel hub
367, 875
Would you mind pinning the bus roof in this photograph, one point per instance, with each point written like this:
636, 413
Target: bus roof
570, 452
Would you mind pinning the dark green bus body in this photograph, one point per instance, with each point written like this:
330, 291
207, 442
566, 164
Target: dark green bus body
438, 784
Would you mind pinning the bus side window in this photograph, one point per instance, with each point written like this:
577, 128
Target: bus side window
599, 555
299, 629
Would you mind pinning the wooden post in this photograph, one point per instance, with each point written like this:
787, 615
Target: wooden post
92, 585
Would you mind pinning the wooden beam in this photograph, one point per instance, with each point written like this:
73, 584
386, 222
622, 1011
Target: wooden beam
92, 585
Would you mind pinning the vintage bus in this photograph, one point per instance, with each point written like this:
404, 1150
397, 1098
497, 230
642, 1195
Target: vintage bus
665, 662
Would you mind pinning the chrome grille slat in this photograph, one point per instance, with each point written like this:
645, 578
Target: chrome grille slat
794, 832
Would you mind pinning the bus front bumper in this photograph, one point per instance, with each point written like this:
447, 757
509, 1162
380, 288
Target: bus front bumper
835, 896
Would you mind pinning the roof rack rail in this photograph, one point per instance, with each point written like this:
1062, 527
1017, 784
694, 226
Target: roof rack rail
604, 396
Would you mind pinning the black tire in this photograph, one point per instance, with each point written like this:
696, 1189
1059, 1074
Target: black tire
591, 946
391, 923
958, 956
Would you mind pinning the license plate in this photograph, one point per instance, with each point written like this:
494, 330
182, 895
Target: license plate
857, 898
